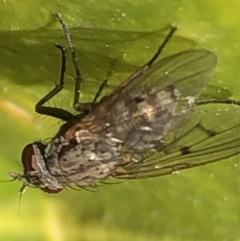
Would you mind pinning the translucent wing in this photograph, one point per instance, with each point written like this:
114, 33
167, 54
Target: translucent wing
154, 101
209, 137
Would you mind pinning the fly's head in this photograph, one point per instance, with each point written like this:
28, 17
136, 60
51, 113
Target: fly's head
35, 172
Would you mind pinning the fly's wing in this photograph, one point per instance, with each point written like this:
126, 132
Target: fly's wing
148, 111
210, 136
154, 101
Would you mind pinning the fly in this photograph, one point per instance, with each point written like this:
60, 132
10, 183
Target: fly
134, 132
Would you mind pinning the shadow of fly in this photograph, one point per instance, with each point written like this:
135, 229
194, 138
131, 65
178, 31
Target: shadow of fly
147, 127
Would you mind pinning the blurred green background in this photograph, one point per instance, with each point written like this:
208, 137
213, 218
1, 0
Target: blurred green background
112, 39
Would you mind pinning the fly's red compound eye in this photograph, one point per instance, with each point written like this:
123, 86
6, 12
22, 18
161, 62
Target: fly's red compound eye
27, 157
33, 161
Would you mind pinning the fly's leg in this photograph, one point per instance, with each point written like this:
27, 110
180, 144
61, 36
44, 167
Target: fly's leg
54, 111
104, 84
78, 78
161, 47
81, 107
217, 101
100, 90
88, 106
